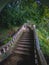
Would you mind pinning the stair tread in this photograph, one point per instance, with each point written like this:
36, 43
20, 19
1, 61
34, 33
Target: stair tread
26, 38
21, 48
25, 43
21, 45
23, 40
21, 52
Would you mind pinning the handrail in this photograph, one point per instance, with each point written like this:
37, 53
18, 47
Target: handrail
40, 54
6, 49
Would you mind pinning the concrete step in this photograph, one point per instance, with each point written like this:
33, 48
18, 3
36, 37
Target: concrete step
23, 49
25, 46
25, 36
25, 43
24, 40
22, 52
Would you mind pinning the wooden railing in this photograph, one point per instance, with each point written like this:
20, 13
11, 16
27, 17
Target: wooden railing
6, 49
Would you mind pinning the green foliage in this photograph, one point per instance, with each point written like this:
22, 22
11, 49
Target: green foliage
7, 40
16, 13
44, 42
